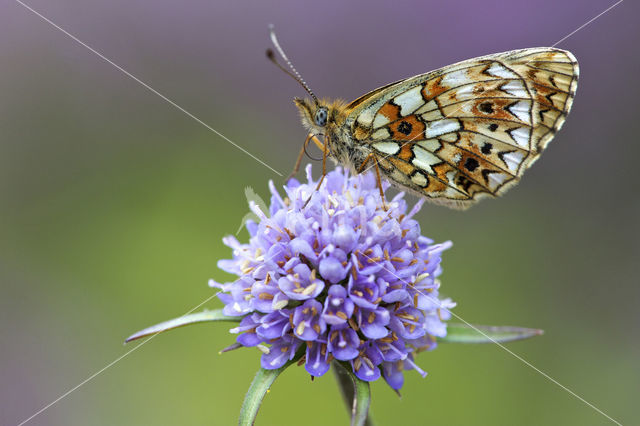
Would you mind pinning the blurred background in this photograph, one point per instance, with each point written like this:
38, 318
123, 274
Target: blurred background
113, 204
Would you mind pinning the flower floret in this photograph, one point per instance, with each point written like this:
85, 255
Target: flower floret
341, 275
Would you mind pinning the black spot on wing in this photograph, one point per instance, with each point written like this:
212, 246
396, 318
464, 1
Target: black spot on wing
486, 107
405, 128
471, 164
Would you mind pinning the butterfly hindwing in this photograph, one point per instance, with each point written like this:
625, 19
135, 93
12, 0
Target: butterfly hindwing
470, 129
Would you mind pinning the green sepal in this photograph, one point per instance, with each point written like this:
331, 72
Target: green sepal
206, 316
467, 333
259, 388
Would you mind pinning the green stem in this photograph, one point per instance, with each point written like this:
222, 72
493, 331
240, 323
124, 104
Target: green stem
356, 394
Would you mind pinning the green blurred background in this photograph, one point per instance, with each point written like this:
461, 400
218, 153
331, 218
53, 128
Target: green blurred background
113, 204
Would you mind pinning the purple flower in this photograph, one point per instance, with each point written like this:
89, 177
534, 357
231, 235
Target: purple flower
343, 343
340, 278
338, 308
307, 321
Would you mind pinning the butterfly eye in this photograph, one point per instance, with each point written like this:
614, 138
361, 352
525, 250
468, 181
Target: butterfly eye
321, 117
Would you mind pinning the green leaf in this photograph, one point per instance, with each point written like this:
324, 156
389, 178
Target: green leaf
356, 394
215, 315
258, 389
463, 333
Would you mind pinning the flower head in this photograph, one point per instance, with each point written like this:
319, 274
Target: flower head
341, 278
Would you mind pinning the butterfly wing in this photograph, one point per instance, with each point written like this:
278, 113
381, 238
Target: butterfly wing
468, 130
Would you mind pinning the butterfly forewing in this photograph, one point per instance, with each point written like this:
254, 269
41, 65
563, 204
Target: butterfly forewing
467, 130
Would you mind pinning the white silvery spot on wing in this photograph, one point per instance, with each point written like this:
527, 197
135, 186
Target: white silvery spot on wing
389, 148
380, 120
500, 71
409, 101
424, 159
513, 160
515, 88
440, 127
521, 109
455, 78
366, 117
430, 144
495, 180
381, 134
521, 135
419, 179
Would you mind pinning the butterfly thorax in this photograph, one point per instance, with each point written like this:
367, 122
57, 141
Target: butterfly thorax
334, 132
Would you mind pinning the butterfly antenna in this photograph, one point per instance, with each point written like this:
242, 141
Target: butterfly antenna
293, 73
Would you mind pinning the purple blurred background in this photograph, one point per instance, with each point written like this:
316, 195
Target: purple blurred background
113, 204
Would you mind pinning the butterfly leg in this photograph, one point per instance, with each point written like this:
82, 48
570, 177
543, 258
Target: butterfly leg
299, 159
325, 153
372, 157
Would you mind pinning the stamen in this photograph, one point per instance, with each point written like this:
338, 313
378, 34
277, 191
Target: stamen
357, 363
368, 362
353, 324
307, 291
300, 328
280, 305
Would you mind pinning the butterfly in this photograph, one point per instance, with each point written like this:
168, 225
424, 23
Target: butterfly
455, 135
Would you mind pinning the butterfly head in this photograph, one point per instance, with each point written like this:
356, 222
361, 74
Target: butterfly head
315, 116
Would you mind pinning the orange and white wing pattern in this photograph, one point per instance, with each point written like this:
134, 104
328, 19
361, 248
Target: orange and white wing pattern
468, 130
